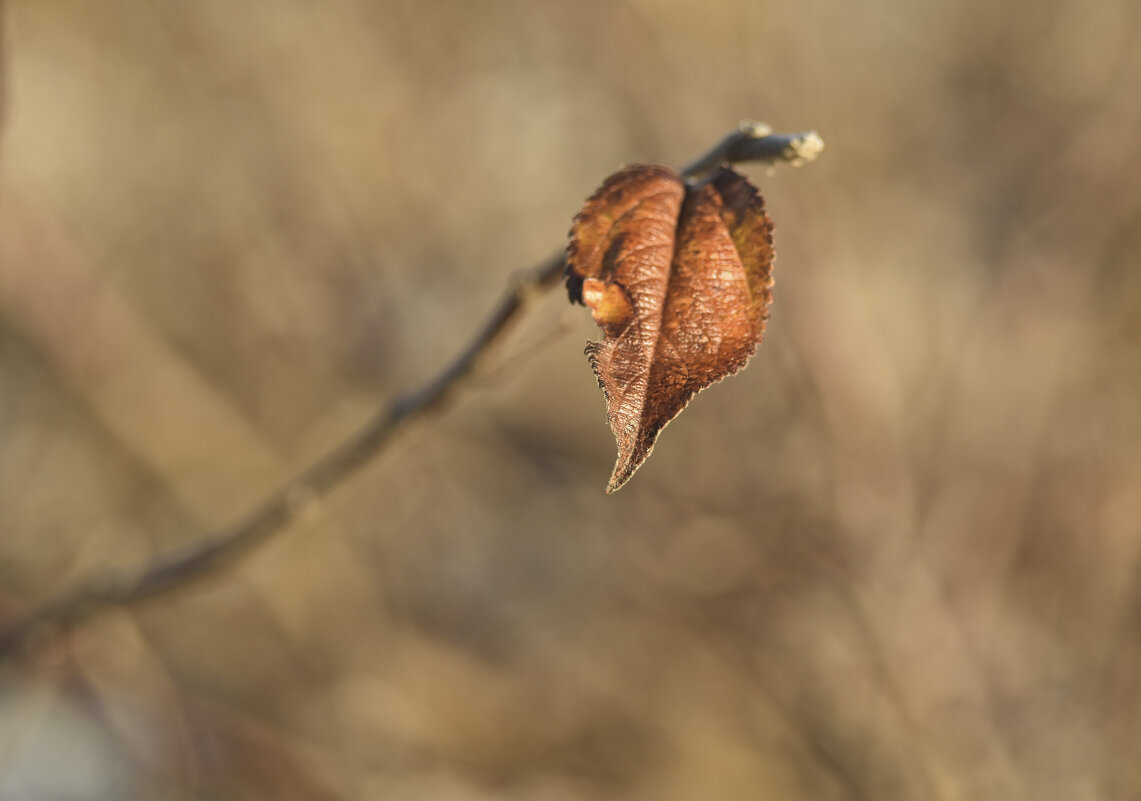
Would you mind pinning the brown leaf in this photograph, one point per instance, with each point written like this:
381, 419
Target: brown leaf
679, 281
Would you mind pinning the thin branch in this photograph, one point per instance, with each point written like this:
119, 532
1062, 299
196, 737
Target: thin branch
180, 566
755, 141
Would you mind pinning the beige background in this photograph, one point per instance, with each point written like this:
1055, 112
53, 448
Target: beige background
897, 557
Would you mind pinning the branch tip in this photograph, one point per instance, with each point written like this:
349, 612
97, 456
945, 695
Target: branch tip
804, 148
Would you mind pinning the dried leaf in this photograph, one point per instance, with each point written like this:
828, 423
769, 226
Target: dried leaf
679, 281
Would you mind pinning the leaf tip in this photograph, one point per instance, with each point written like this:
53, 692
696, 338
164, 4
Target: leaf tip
619, 478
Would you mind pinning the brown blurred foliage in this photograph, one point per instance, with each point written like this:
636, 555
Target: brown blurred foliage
896, 558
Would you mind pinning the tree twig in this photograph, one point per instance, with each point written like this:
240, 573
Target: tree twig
180, 566
755, 141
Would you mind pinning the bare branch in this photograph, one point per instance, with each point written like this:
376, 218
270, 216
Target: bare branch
180, 566
755, 141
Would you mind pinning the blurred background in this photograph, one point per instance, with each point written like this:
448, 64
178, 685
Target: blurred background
897, 557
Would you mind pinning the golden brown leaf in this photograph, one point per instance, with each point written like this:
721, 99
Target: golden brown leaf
679, 281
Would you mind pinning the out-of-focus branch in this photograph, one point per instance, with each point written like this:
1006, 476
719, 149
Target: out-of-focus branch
181, 566
3, 66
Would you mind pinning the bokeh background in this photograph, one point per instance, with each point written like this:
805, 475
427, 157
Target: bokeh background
897, 557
